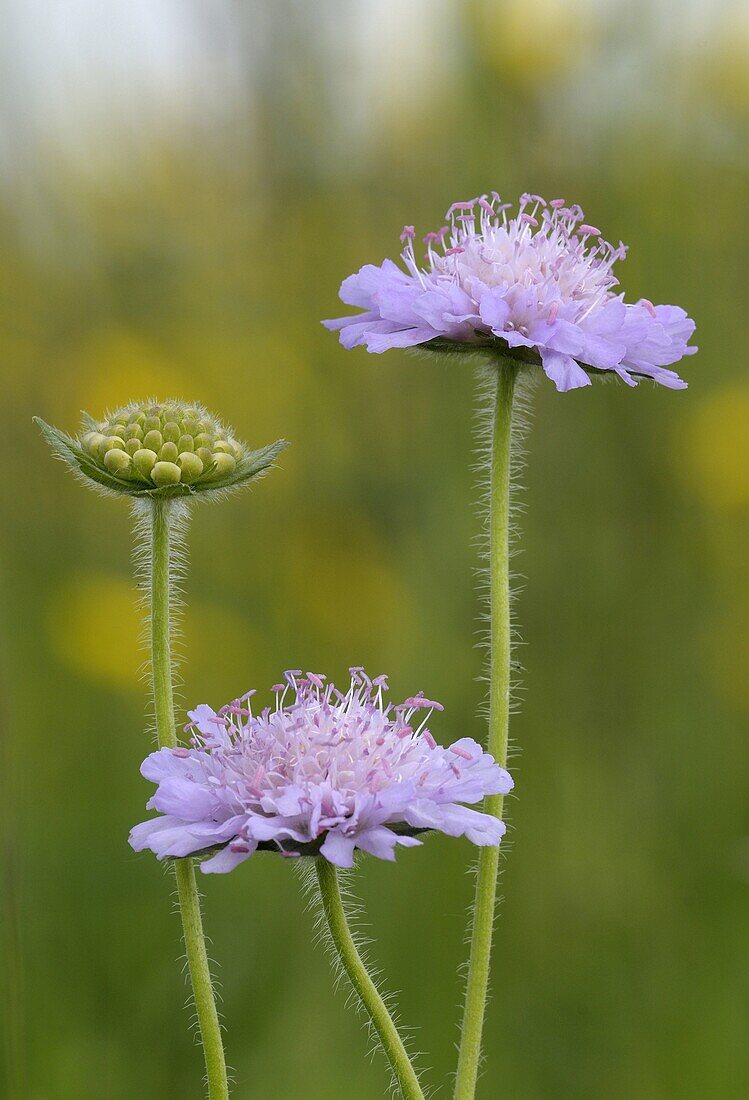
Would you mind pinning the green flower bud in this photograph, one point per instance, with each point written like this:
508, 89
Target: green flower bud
169, 452
190, 465
144, 461
92, 442
224, 466
153, 439
166, 473
172, 449
117, 462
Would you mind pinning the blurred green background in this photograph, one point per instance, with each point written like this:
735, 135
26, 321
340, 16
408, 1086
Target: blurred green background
184, 185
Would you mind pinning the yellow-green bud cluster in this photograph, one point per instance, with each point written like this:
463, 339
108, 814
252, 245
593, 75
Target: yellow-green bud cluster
159, 445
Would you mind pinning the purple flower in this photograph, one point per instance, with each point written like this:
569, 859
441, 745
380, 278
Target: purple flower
319, 773
539, 284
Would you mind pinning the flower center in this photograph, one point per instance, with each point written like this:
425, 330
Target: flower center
546, 258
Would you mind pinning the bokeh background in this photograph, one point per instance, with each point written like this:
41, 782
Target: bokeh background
184, 184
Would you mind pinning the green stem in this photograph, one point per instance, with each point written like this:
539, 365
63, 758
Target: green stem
184, 870
499, 712
363, 984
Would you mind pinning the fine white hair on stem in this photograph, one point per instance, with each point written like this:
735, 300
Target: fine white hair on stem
522, 408
484, 434
179, 519
354, 916
182, 960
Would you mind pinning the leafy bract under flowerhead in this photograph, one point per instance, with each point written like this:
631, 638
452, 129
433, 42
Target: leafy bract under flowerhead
537, 286
168, 448
319, 773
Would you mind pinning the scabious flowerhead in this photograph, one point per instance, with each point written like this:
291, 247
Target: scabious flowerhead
167, 448
537, 286
320, 773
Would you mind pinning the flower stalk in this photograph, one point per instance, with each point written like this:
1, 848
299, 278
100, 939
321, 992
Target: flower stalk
366, 990
499, 713
162, 567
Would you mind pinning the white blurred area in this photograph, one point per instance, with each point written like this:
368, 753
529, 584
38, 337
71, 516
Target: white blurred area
91, 83
79, 77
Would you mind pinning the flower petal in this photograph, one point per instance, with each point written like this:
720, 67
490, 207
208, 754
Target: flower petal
564, 372
338, 849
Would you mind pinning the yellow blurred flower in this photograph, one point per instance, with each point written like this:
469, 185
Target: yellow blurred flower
533, 41
712, 453
96, 629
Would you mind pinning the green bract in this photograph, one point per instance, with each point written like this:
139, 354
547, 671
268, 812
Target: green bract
166, 449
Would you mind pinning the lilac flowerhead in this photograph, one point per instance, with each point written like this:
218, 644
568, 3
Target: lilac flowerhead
320, 773
534, 286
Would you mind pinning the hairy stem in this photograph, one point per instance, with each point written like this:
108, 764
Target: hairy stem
365, 988
162, 564
499, 710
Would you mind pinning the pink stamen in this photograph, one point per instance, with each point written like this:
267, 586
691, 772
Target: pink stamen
461, 752
181, 753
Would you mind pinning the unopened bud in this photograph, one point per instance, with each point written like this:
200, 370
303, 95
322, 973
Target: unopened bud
190, 465
117, 462
224, 466
114, 443
153, 440
144, 461
92, 442
169, 452
172, 449
166, 473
